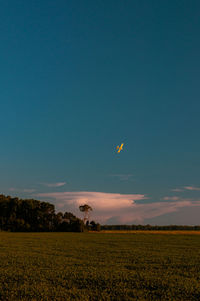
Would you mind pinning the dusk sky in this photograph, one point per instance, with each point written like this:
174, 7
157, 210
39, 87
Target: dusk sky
79, 78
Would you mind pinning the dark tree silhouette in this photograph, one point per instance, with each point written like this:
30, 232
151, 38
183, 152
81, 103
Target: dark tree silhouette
86, 212
94, 226
32, 215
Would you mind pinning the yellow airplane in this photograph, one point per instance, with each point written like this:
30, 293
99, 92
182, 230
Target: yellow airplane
119, 148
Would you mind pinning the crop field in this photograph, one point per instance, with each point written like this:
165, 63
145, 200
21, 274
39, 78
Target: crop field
99, 266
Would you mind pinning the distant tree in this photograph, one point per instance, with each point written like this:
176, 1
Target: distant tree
86, 212
77, 226
58, 219
25, 215
59, 216
69, 217
94, 226
98, 227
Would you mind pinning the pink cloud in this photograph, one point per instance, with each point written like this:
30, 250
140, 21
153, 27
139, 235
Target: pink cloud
171, 198
99, 200
192, 188
140, 212
113, 206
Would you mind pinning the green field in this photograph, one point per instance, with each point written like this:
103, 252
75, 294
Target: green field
100, 266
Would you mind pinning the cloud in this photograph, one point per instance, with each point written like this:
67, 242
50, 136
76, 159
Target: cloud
98, 200
58, 184
122, 177
141, 212
115, 208
171, 198
192, 188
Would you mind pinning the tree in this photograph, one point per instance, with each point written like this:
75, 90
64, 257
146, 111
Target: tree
69, 217
94, 226
57, 221
78, 226
86, 212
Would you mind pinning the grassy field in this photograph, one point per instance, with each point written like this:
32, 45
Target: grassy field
99, 266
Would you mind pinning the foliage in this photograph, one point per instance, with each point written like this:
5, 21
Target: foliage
32, 215
94, 226
85, 208
86, 212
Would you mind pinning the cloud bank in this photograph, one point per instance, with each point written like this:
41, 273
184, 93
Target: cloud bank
99, 200
109, 208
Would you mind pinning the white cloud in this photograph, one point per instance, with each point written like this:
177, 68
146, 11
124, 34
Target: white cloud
177, 190
58, 184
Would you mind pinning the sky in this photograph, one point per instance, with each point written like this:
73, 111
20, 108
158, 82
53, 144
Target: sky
79, 78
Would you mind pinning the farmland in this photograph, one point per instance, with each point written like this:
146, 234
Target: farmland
99, 266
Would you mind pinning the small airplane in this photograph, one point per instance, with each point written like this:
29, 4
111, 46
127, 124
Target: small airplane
119, 147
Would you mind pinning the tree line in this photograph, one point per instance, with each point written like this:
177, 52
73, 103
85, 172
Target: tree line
148, 227
35, 216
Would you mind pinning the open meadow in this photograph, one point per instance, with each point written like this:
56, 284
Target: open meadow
99, 266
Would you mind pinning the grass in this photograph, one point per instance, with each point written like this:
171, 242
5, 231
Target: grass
99, 266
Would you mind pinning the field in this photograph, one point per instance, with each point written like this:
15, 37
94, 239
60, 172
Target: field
99, 266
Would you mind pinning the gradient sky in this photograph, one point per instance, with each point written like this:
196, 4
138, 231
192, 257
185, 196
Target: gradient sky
80, 77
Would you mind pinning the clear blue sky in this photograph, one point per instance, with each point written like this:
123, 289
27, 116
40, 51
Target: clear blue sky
80, 77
